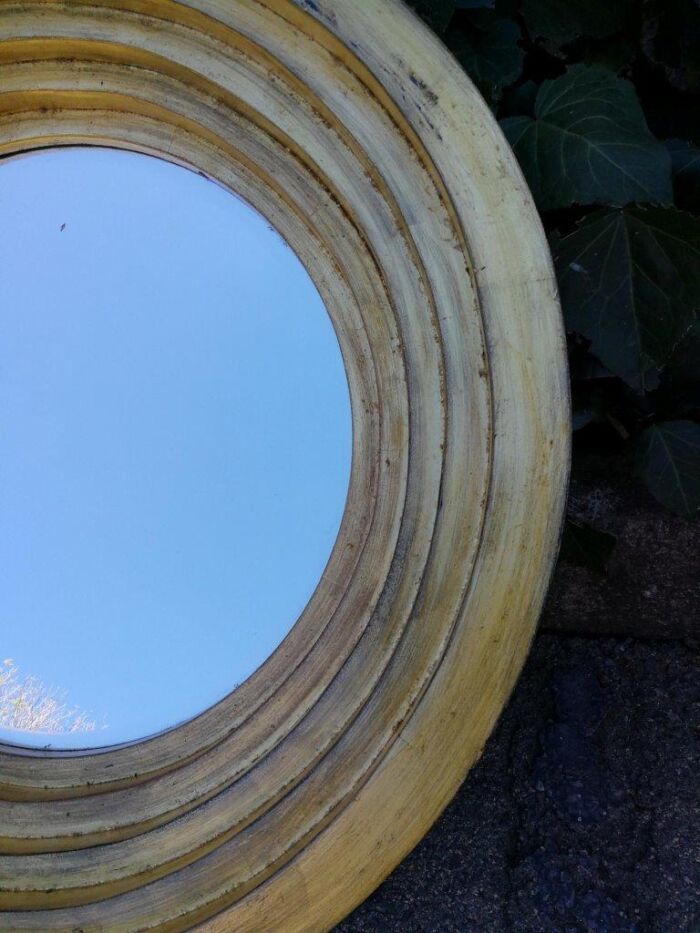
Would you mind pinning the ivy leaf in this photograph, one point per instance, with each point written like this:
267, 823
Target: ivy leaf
560, 21
436, 13
629, 281
685, 165
486, 45
586, 546
589, 143
667, 457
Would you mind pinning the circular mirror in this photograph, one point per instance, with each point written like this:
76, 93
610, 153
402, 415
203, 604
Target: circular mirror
174, 444
349, 126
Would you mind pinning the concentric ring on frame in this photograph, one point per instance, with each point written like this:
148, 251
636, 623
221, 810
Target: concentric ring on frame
266, 100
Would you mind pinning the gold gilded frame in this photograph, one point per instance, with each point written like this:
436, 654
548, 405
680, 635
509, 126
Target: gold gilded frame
348, 125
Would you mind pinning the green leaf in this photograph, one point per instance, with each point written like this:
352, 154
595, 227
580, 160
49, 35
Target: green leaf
586, 546
629, 282
436, 13
667, 458
589, 144
486, 45
685, 165
560, 21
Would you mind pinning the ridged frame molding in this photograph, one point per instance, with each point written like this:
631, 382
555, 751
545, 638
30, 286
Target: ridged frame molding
349, 126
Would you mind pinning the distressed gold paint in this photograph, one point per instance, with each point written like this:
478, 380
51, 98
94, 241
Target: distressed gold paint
284, 805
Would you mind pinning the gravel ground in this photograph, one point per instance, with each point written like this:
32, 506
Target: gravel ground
583, 813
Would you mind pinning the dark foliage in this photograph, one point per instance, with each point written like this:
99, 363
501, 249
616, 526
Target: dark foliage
600, 100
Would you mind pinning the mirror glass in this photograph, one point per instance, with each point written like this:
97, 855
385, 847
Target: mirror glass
175, 444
